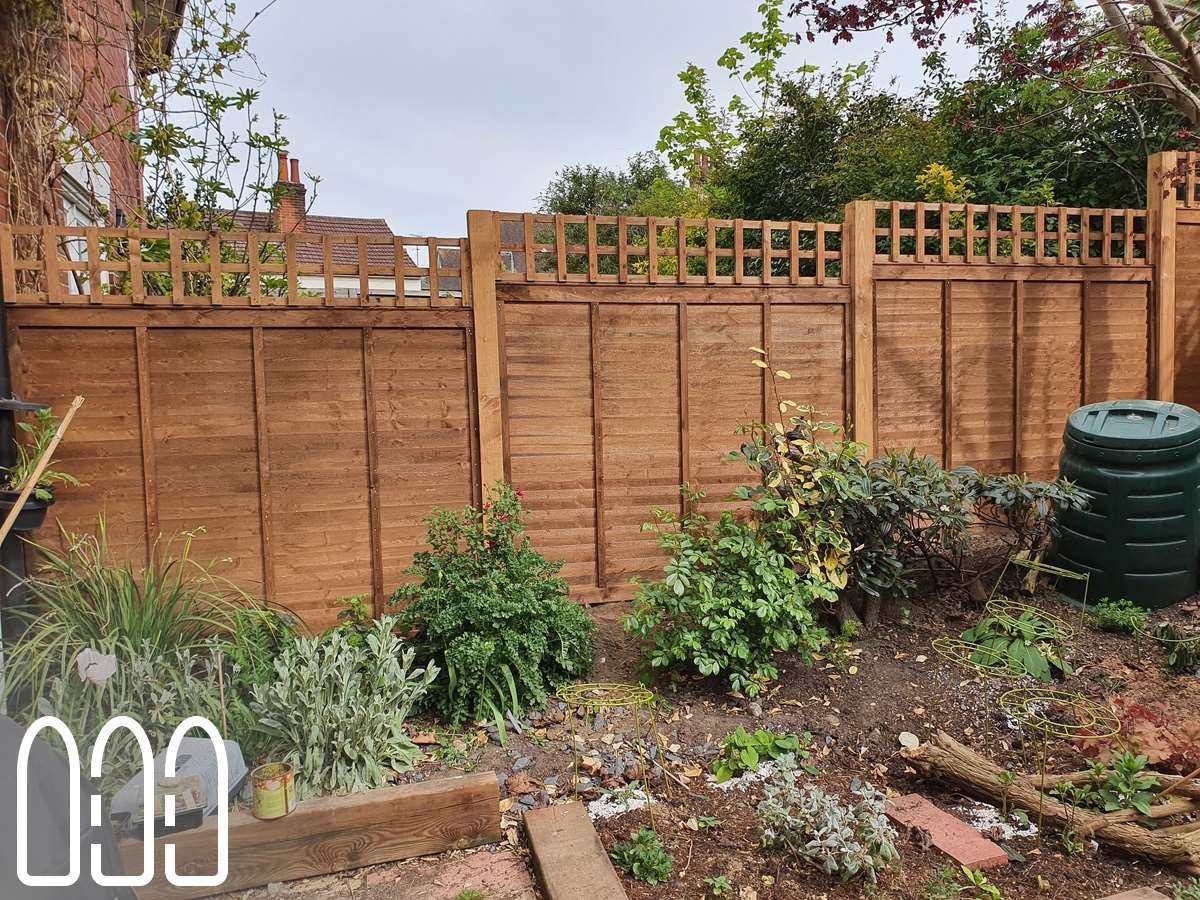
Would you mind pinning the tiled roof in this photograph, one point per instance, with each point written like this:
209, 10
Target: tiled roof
343, 254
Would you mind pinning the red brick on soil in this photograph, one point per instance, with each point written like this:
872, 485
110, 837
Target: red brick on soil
952, 836
1144, 893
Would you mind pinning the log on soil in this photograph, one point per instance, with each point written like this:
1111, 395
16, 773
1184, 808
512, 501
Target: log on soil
946, 759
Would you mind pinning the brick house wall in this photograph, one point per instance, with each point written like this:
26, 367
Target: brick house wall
100, 59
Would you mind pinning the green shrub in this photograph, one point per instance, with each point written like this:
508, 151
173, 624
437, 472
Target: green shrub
336, 709
643, 858
492, 613
874, 525
846, 840
1028, 642
1119, 616
742, 751
728, 602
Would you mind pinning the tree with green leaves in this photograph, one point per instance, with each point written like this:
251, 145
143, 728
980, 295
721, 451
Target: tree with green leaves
190, 117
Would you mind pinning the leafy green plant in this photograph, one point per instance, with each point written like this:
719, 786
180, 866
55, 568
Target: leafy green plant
155, 689
1182, 651
943, 884
728, 602
355, 618
849, 840
470, 894
979, 886
492, 614
1124, 783
254, 641
837, 651
1029, 642
1127, 784
336, 710
643, 858
29, 452
742, 751
1007, 779
718, 885
1186, 890
1119, 617
82, 597
708, 823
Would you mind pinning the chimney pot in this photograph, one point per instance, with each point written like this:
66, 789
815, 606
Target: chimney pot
283, 165
295, 171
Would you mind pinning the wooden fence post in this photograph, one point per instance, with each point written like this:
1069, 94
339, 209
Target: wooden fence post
1160, 250
483, 246
858, 251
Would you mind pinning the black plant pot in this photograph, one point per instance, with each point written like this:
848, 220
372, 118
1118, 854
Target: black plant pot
32, 514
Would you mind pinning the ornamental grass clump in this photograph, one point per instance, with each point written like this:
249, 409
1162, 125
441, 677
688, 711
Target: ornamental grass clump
83, 597
846, 840
492, 614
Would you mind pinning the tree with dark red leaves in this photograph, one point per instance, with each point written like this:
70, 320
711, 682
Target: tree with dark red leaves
1157, 37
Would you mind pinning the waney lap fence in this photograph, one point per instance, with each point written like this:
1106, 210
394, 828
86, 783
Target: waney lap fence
595, 362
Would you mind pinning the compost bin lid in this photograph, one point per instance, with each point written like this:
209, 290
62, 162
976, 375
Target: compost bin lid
1135, 424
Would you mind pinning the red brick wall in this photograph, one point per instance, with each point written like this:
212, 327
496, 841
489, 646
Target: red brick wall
103, 68
98, 59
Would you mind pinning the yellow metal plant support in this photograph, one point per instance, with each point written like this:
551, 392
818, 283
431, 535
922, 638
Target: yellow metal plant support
1062, 715
596, 697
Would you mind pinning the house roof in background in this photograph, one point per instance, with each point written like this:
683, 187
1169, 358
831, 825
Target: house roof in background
343, 254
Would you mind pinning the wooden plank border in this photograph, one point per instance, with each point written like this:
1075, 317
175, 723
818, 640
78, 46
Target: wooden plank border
333, 834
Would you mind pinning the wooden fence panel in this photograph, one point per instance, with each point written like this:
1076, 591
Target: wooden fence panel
1187, 312
809, 342
254, 427
422, 399
318, 468
909, 373
1050, 377
981, 341
205, 445
104, 447
724, 391
548, 381
1118, 335
638, 384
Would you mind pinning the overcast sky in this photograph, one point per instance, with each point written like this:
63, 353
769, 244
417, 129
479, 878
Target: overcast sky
417, 112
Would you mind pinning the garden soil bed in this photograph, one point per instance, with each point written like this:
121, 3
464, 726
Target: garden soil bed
892, 682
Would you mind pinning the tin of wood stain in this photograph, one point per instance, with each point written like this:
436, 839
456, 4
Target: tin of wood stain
274, 790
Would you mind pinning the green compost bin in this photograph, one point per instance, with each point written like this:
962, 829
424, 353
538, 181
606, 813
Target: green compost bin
1139, 538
